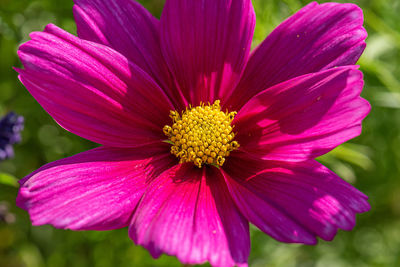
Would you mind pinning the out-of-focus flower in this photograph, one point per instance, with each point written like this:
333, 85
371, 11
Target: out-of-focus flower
189, 187
11, 126
5, 215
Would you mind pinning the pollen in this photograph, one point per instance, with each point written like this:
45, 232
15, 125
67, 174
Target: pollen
202, 134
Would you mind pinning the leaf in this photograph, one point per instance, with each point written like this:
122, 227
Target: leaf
8, 179
355, 154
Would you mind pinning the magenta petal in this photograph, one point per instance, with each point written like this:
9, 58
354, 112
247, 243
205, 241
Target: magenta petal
304, 117
293, 202
94, 190
188, 212
130, 29
206, 45
92, 90
317, 37
268, 218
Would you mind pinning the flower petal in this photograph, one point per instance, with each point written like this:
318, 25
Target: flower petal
92, 90
94, 190
304, 117
188, 212
293, 202
206, 45
317, 37
130, 29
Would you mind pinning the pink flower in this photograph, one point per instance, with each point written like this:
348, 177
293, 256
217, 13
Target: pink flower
116, 84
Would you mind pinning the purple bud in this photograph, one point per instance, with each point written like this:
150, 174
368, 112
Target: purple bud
10, 127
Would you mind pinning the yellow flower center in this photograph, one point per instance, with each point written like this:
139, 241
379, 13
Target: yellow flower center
202, 134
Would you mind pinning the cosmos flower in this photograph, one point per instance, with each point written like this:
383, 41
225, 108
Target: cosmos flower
200, 136
10, 127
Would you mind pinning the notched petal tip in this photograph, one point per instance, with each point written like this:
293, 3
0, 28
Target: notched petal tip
317, 37
299, 201
94, 190
58, 65
18, 70
327, 104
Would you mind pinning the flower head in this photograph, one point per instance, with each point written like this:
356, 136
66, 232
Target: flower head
10, 127
203, 135
200, 136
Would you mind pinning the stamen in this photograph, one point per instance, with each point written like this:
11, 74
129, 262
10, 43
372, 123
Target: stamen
202, 134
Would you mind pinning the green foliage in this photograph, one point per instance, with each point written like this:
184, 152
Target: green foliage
7, 179
370, 162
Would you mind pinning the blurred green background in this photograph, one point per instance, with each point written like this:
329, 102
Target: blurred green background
370, 162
